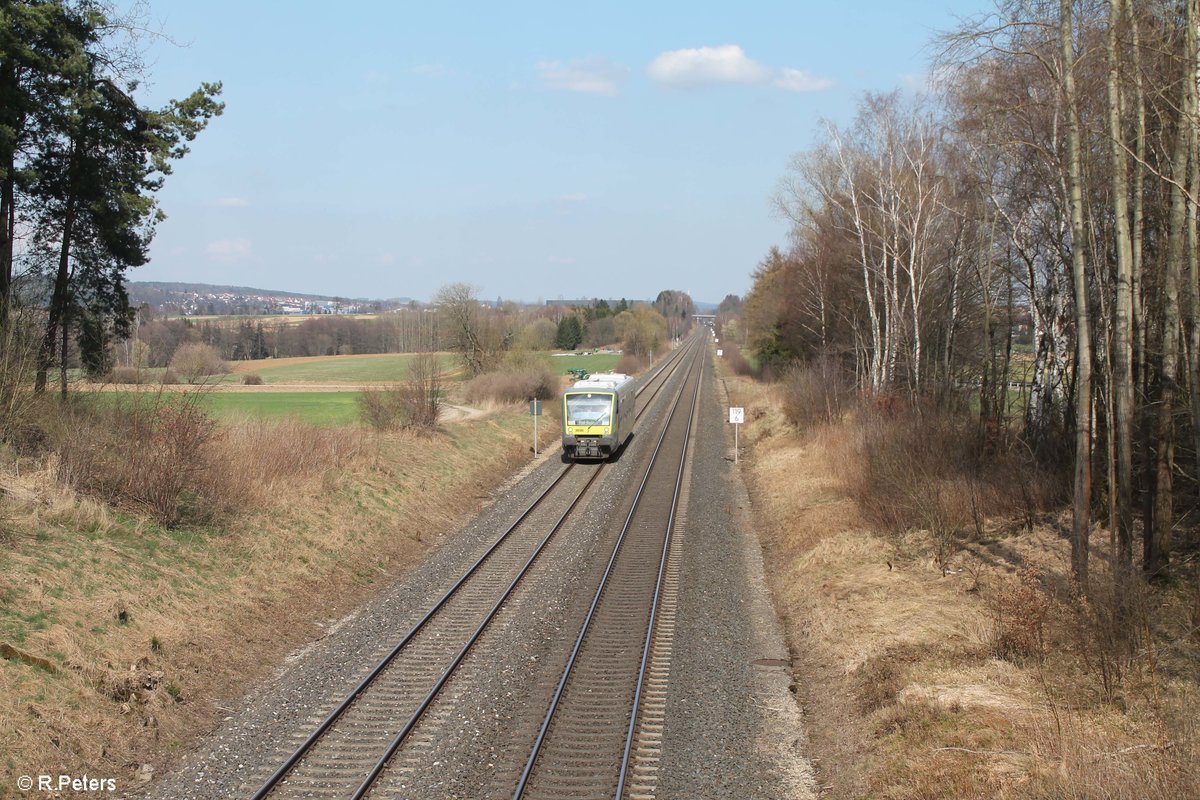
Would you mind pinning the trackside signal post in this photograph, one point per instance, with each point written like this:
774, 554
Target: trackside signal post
736, 417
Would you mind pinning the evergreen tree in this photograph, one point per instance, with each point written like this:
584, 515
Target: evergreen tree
80, 161
570, 333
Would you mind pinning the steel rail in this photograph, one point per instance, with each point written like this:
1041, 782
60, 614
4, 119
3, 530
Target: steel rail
270, 784
545, 727
340, 709
658, 585
411, 723
403, 733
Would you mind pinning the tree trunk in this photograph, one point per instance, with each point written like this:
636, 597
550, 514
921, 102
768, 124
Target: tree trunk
1193, 277
1158, 538
1140, 373
8, 93
57, 312
1081, 522
64, 350
7, 230
1122, 351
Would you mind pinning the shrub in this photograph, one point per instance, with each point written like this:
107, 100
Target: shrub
513, 385
18, 355
813, 393
415, 403
146, 454
737, 362
381, 408
195, 361
922, 469
1019, 608
631, 364
537, 335
600, 332
126, 375
252, 379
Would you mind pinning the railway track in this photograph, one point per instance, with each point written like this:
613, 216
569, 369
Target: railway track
585, 745
355, 742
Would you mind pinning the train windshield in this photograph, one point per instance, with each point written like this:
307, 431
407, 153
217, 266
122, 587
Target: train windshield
585, 410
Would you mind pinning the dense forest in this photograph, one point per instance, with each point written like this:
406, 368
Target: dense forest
1018, 243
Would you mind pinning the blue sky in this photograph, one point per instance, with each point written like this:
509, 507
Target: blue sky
535, 150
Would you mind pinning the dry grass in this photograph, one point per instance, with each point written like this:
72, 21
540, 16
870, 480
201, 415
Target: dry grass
969, 673
146, 631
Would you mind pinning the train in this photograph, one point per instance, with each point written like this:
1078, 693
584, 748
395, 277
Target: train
598, 414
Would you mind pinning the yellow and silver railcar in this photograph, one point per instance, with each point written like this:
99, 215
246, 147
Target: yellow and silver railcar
598, 414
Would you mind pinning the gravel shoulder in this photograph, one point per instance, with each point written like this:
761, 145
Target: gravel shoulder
733, 726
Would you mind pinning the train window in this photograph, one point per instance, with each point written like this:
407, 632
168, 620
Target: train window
588, 410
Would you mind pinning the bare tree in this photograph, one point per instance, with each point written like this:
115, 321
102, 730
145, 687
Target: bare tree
1082, 507
468, 331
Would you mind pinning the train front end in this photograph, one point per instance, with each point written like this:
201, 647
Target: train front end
589, 423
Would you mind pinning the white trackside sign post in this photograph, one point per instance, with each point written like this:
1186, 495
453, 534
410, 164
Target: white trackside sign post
535, 411
736, 417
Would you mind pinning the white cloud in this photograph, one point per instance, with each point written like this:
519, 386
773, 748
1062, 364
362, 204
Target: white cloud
797, 80
590, 75
697, 66
574, 197
233, 202
727, 63
229, 249
561, 260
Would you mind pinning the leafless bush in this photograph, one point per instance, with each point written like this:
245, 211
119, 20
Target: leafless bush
195, 361
423, 392
252, 379
921, 469
127, 376
1019, 609
631, 364
513, 386
737, 362
136, 376
814, 393
415, 403
145, 453
382, 407
18, 355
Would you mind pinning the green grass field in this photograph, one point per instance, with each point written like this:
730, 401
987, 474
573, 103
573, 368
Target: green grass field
344, 369
596, 362
325, 409
314, 408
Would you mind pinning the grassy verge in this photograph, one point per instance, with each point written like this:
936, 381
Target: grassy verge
120, 640
952, 659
